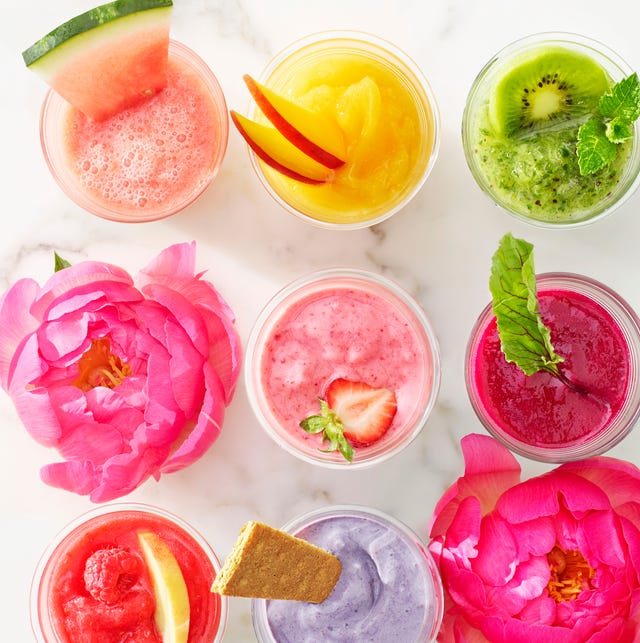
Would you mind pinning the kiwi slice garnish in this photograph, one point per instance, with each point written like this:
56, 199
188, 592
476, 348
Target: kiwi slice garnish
548, 87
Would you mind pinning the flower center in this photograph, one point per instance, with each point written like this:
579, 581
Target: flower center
570, 574
98, 366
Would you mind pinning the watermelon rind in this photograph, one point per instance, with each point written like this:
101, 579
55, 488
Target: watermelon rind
85, 22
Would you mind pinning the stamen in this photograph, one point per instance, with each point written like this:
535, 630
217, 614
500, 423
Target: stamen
99, 367
570, 574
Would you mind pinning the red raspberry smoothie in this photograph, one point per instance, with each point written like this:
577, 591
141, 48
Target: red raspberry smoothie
95, 586
597, 339
341, 324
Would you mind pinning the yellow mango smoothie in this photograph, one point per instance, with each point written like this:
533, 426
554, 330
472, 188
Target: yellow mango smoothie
386, 112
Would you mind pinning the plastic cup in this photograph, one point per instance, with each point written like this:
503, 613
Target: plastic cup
403, 578
84, 535
494, 160
346, 202
620, 317
367, 329
53, 137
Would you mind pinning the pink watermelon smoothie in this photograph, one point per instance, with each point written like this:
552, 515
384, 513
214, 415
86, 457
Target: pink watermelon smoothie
152, 159
347, 325
95, 585
540, 410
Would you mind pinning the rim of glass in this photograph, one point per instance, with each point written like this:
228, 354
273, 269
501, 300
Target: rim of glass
408, 535
102, 510
53, 108
269, 313
420, 79
630, 179
628, 323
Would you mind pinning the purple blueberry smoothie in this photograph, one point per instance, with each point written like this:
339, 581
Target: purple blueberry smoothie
388, 590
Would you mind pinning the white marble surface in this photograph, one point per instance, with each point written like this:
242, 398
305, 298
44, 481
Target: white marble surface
439, 248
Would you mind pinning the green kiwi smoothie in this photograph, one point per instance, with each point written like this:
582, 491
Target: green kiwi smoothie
521, 130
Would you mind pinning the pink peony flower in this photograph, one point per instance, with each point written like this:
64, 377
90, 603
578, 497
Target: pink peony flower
125, 381
553, 559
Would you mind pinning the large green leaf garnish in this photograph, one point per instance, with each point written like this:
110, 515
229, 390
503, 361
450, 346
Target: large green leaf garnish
524, 338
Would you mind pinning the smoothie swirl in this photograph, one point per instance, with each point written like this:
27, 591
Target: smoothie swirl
381, 596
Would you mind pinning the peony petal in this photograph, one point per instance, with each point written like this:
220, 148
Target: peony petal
490, 469
78, 477
534, 537
207, 428
496, 552
76, 276
178, 260
539, 610
620, 480
600, 539
540, 496
16, 323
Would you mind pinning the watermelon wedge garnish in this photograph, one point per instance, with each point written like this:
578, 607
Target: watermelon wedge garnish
108, 58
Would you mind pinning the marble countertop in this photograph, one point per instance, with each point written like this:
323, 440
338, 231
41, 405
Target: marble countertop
439, 248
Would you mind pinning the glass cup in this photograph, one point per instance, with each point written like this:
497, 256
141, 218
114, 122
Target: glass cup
399, 595
535, 177
156, 172
618, 319
387, 161
340, 323
61, 568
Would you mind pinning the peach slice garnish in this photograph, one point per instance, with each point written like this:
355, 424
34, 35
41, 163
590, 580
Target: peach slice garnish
278, 152
315, 134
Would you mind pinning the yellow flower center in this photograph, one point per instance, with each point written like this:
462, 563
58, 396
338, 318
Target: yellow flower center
99, 367
570, 574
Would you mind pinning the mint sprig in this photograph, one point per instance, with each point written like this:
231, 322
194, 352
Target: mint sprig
330, 426
524, 338
599, 137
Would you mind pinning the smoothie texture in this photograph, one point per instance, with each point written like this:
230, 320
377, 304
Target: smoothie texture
541, 409
149, 160
521, 129
386, 115
386, 591
96, 586
591, 403
343, 327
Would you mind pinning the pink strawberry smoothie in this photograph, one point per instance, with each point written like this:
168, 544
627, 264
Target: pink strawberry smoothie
540, 409
155, 157
350, 327
96, 587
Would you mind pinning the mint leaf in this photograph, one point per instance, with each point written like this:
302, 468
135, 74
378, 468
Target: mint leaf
59, 263
597, 138
619, 130
594, 149
623, 100
524, 338
329, 424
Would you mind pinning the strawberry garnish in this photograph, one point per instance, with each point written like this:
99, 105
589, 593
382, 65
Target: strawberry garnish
353, 415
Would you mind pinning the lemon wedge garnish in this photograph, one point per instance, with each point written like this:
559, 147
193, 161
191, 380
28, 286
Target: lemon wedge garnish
172, 599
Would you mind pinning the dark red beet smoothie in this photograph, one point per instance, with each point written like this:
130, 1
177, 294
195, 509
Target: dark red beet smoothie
540, 409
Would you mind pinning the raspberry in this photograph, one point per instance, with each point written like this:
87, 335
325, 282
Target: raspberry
110, 573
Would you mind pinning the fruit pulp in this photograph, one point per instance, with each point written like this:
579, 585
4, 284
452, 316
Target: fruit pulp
343, 328
68, 609
540, 409
385, 116
386, 591
154, 158
536, 175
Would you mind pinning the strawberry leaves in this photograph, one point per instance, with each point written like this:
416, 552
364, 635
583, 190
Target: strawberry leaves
330, 426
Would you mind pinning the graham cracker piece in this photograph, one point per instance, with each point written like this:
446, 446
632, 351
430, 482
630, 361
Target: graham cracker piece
270, 563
